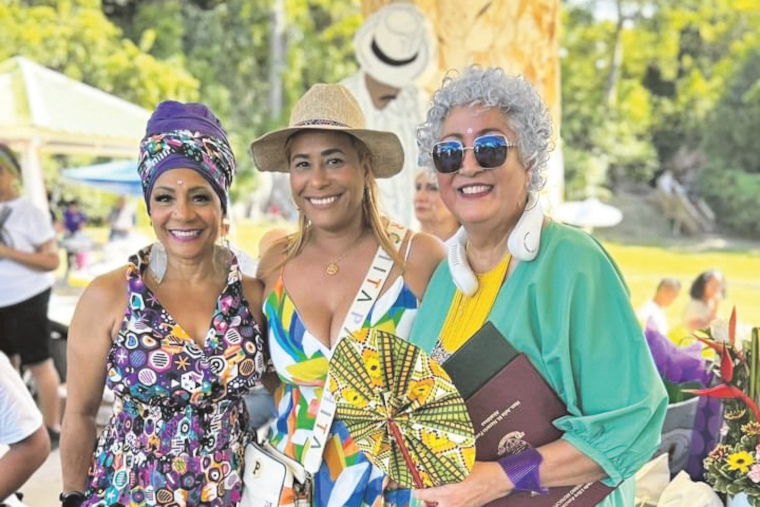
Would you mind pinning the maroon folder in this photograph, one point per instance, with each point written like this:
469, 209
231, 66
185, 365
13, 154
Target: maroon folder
512, 409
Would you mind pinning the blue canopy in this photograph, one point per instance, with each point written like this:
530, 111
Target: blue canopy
119, 176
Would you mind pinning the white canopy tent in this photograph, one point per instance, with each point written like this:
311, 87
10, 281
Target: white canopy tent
44, 111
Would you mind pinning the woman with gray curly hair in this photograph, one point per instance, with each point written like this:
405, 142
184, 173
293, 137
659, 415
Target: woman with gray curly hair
551, 290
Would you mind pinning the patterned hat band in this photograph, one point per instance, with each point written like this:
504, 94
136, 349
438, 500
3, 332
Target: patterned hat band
317, 121
210, 156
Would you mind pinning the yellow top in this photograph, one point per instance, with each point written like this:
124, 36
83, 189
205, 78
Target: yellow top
467, 314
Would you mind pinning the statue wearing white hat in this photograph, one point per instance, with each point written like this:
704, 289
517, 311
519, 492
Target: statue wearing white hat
394, 47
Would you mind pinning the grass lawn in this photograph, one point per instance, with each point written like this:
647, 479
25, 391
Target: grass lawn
642, 267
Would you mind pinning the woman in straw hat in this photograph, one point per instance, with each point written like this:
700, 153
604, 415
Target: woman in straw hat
312, 276
176, 334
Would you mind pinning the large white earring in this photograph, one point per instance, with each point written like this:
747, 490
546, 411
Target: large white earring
461, 272
525, 239
157, 262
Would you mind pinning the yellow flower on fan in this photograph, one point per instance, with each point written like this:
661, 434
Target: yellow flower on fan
425, 478
741, 461
437, 443
373, 366
353, 397
361, 335
468, 453
437, 370
420, 390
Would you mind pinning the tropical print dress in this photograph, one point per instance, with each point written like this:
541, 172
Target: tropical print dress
176, 436
346, 477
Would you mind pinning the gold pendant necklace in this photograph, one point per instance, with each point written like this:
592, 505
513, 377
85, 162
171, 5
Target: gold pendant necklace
332, 267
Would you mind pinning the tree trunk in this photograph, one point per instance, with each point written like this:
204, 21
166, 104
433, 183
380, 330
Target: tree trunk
278, 52
616, 60
521, 36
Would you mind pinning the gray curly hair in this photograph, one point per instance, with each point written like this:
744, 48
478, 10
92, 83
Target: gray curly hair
491, 87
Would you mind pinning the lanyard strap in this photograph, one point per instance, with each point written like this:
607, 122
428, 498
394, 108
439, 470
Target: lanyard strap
357, 314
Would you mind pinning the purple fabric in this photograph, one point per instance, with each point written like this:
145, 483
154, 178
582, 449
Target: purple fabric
522, 470
171, 115
686, 364
186, 136
677, 364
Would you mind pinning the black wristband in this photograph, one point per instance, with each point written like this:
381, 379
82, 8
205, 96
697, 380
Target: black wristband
71, 499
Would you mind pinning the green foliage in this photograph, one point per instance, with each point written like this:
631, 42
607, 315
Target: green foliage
731, 131
226, 45
678, 56
75, 38
732, 194
730, 181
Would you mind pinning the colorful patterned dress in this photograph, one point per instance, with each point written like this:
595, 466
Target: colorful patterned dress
177, 433
346, 477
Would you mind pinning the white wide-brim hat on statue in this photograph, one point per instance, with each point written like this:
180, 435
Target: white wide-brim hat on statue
394, 44
329, 107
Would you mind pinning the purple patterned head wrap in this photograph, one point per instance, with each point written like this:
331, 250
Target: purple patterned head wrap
186, 136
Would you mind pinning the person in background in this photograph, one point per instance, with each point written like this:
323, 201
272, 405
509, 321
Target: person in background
28, 256
434, 217
74, 218
121, 219
652, 312
394, 46
74, 241
707, 291
550, 289
176, 335
312, 276
21, 429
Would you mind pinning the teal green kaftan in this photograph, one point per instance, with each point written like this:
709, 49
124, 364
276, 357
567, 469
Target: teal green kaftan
569, 312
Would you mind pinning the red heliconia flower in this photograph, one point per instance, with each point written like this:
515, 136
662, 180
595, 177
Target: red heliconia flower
726, 365
727, 392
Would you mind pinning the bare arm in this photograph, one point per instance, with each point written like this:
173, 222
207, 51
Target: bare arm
253, 289
21, 460
562, 465
95, 323
44, 257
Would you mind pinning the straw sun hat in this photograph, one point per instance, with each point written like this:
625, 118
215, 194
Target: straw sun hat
329, 107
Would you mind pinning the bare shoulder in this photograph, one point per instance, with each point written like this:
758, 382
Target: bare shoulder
271, 259
253, 289
101, 307
106, 290
425, 253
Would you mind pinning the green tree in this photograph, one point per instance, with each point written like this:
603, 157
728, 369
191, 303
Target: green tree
75, 38
730, 181
227, 46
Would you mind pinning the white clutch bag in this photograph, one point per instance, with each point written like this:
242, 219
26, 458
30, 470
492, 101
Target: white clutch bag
272, 479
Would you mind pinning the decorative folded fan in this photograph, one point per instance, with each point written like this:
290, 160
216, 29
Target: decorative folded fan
402, 410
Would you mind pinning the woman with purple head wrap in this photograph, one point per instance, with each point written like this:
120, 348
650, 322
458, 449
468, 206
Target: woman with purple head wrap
176, 334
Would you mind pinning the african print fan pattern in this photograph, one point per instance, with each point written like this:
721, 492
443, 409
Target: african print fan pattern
402, 410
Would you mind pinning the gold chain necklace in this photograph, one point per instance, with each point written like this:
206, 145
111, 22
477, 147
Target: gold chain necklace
332, 267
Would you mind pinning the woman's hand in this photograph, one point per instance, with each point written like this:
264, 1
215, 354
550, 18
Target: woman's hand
486, 482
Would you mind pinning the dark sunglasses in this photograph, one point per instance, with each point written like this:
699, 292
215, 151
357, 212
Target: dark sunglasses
490, 151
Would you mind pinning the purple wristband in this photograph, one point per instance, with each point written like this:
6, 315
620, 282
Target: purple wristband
522, 470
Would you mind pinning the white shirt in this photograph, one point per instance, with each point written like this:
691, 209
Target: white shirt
401, 116
19, 416
651, 310
25, 228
